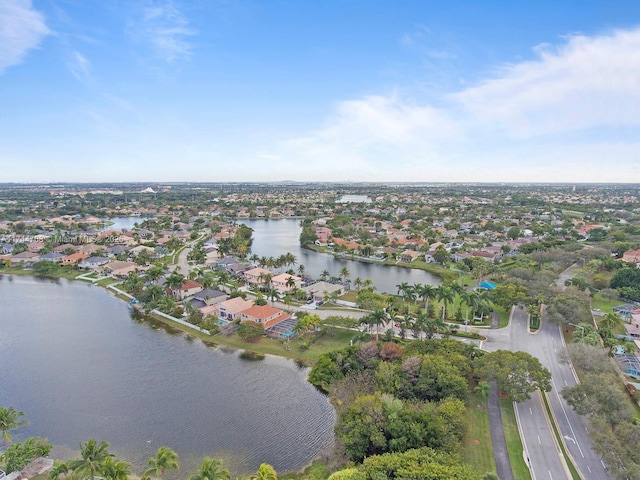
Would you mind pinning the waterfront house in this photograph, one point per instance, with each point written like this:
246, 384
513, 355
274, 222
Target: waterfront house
266, 315
52, 256
409, 256
187, 289
93, 262
25, 257
210, 296
121, 269
73, 259
230, 309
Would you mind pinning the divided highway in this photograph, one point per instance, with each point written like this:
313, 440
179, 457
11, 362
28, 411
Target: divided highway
545, 458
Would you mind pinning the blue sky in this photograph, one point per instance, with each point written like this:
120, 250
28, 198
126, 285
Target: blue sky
262, 90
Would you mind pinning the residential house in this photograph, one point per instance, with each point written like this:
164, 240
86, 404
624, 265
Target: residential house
255, 276
482, 254
73, 259
282, 282
319, 291
35, 247
266, 315
632, 256
121, 269
93, 263
187, 289
63, 247
52, 256
90, 249
409, 256
25, 257
6, 248
210, 296
230, 309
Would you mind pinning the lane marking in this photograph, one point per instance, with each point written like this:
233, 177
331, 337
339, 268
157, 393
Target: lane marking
567, 418
530, 411
539, 439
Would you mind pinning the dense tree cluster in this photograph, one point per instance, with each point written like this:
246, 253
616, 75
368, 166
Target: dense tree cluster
391, 400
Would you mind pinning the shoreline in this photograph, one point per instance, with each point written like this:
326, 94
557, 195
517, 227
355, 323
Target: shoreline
264, 346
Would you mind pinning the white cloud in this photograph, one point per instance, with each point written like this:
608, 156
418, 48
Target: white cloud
558, 117
80, 67
21, 29
165, 28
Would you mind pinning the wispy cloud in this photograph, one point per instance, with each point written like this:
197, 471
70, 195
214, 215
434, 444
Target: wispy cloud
80, 67
558, 117
21, 29
163, 26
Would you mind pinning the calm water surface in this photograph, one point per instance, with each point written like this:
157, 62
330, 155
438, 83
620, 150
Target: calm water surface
75, 362
273, 238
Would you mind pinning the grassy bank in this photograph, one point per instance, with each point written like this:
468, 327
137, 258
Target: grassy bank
514, 443
478, 448
333, 339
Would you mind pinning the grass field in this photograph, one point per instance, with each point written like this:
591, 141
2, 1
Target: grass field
478, 449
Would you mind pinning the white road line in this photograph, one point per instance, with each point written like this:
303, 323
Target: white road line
539, 439
565, 383
550, 476
530, 411
567, 417
603, 465
589, 468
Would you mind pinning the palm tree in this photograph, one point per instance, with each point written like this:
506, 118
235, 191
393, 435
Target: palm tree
265, 278
167, 304
611, 320
207, 280
482, 389
345, 274
377, 318
425, 292
10, 419
324, 275
265, 472
154, 273
211, 469
175, 281
301, 270
165, 459
445, 295
290, 283
133, 283
115, 469
290, 259
154, 292
93, 455
357, 283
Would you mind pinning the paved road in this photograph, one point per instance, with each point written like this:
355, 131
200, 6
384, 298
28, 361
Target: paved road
183, 264
540, 448
548, 346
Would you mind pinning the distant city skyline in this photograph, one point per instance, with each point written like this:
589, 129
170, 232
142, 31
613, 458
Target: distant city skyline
362, 91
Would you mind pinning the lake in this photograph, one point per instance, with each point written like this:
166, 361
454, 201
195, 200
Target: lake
79, 367
272, 238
